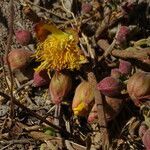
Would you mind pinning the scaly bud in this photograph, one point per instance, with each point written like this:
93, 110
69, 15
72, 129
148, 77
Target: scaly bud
19, 58
41, 78
123, 34
138, 86
23, 37
109, 86
86, 8
125, 67
84, 96
59, 87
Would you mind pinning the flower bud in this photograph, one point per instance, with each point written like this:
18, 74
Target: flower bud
122, 34
40, 78
109, 86
125, 67
142, 129
138, 86
19, 58
86, 8
146, 139
23, 37
115, 73
59, 87
84, 96
112, 107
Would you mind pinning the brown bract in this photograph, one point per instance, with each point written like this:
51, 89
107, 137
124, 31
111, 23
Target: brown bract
41, 32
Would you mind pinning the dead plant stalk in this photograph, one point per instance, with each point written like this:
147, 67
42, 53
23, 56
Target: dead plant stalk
7, 50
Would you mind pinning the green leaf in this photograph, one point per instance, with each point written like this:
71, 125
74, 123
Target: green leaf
49, 131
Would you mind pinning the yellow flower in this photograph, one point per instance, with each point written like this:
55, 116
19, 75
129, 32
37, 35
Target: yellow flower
59, 50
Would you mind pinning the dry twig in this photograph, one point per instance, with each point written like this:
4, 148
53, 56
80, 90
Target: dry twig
8, 48
104, 23
73, 16
100, 109
89, 48
46, 10
107, 22
12, 142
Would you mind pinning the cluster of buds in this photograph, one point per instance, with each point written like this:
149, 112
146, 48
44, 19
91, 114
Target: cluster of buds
83, 101
19, 58
125, 68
